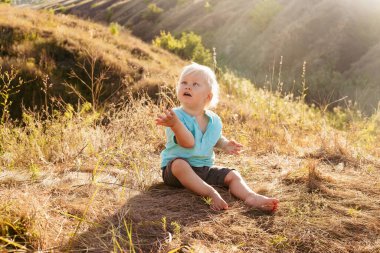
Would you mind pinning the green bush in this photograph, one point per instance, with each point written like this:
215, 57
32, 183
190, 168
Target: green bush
152, 12
189, 46
114, 28
168, 42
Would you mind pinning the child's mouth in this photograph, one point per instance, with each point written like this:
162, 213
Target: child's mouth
187, 94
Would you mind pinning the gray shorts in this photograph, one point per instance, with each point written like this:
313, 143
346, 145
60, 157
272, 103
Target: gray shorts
211, 175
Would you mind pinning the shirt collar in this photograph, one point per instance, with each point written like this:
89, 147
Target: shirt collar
207, 112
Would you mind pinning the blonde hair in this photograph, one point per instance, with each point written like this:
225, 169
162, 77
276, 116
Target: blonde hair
207, 74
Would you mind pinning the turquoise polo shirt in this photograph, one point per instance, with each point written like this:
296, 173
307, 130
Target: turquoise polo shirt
202, 154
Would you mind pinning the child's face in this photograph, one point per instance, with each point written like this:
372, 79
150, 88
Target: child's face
194, 91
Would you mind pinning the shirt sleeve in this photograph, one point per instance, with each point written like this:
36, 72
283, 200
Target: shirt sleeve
220, 126
217, 129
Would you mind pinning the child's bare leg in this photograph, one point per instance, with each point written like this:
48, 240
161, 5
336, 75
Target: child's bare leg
241, 190
188, 178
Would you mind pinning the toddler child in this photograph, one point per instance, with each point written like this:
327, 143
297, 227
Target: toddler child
192, 132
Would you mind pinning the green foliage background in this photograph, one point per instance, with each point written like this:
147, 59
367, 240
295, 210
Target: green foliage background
188, 46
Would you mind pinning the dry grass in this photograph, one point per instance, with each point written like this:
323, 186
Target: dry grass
40, 44
70, 183
88, 187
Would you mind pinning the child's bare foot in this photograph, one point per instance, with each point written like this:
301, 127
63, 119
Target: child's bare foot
218, 203
261, 202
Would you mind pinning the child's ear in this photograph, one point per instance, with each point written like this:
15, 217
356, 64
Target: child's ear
209, 96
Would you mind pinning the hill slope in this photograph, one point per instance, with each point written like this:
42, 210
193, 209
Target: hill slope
66, 50
337, 39
69, 184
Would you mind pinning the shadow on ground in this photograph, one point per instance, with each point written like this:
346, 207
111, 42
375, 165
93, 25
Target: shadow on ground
151, 216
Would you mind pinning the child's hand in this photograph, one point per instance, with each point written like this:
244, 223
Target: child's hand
169, 119
232, 147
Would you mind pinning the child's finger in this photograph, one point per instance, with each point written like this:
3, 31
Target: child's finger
161, 118
232, 152
236, 152
158, 122
237, 143
168, 114
161, 123
172, 113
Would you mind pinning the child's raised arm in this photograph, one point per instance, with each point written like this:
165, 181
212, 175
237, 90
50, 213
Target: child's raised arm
229, 146
183, 136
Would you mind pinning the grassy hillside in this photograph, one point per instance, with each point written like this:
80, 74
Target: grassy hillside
69, 57
70, 183
337, 39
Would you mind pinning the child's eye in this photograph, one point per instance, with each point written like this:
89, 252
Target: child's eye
195, 84
184, 82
